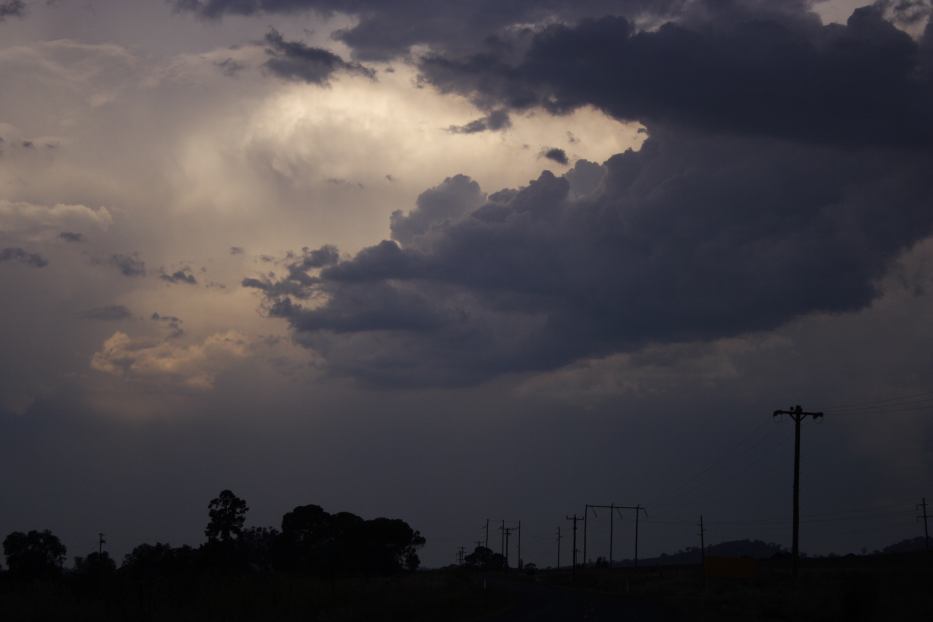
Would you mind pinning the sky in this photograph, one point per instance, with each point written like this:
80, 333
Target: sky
466, 260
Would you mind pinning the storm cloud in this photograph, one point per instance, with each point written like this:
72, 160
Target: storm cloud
294, 60
387, 29
784, 173
863, 84
694, 237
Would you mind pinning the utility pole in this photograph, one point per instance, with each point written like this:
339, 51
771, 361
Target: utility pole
586, 514
702, 544
460, 552
797, 414
519, 560
502, 541
100, 544
611, 528
613, 509
926, 530
638, 510
487, 533
508, 532
573, 567
558, 547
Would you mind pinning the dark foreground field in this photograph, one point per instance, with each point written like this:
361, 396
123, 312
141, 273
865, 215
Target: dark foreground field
871, 588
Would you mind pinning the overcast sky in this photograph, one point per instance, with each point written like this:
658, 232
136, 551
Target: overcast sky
447, 261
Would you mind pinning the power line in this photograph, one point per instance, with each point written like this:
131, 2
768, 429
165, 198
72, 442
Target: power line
744, 446
873, 403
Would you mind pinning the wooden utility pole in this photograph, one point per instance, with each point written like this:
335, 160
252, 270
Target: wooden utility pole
586, 514
487, 534
797, 414
100, 544
926, 531
702, 543
612, 509
502, 540
638, 510
460, 553
558, 547
519, 561
573, 567
508, 532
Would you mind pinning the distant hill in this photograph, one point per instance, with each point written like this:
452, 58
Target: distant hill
910, 545
756, 549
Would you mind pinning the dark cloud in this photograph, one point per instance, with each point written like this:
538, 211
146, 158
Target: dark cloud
109, 313
18, 255
12, 8
695, 237
557, 155
236, 250
436, 208
494, 121
179, 276
173, 323
128, 265
297, 282
387, 29
865, 83
71, 236
294, 60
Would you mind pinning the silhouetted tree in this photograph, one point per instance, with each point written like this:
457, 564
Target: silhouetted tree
313, 540
155, 560
483, 558
260, 547
227, 514
34, 555
390, 545
95, 565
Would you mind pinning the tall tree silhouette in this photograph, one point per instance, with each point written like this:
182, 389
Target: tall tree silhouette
227, 514
34, 555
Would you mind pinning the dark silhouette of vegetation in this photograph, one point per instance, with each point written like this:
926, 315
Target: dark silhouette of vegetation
340, 566
95, 565
483, 558
312, 540
34, 555
239, 570
227, 515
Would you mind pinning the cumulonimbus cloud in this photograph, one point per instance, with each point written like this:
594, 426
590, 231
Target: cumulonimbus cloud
694, 237
785, 171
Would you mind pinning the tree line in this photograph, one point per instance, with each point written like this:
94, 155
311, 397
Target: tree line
310, 541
